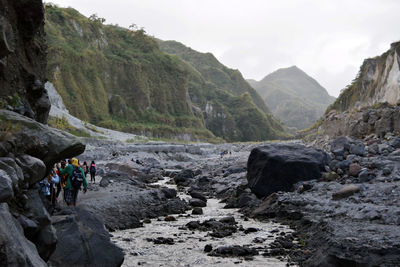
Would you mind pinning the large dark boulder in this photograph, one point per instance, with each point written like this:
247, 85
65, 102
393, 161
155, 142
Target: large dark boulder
15, 249
184, 177
83, 241
38, 140
276, 167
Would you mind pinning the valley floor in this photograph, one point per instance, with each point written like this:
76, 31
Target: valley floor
359, 226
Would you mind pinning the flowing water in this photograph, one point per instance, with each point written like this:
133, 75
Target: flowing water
188, 247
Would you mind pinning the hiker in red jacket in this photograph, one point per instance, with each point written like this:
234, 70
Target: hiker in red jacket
93, 171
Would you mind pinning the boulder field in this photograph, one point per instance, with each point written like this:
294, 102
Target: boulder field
350, 215
341, 197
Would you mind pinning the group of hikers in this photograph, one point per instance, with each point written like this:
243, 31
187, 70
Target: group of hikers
68, 176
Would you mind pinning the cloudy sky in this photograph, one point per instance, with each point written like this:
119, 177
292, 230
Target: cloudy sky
328, 39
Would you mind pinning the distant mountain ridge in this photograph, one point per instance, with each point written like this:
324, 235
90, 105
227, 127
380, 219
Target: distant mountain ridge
294, 97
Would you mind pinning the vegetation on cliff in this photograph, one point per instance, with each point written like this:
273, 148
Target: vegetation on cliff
376, 82
232, 109
117, 78
120, 79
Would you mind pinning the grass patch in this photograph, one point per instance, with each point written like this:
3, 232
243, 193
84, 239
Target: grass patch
63, 124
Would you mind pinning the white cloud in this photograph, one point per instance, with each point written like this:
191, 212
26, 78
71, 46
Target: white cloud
328, 39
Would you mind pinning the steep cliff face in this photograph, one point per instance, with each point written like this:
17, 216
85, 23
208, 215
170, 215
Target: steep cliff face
295, 98
118, 78
23, 58
378, 81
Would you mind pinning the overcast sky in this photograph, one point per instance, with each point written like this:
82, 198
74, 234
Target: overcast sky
328, 39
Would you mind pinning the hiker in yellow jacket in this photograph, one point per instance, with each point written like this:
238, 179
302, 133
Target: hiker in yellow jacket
76, 176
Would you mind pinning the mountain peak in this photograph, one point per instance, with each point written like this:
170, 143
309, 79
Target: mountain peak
293, 96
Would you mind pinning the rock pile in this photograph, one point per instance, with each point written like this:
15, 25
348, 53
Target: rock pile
349, 214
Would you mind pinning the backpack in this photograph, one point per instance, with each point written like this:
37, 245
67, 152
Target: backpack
76, 178
92, 169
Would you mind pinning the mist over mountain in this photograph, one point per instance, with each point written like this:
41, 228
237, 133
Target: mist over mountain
294, 97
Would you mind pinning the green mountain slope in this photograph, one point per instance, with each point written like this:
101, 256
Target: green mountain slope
119, 78
231, 107
293, 96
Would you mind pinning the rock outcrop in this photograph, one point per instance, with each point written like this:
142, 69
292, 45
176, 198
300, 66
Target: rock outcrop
378, 81
23, 59
27, 149
378, 120
83, 240
276, 167
26, 136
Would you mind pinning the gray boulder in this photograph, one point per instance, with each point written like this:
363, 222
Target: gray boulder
341, 143
41, 141
169, 192
34, 169
83, 241
346, 191
46, 241
29, 226
395, 142
194, 202
6, 190
15, 249
357, 148
13, 170
36, 210
184, 177
198, 195
276, 167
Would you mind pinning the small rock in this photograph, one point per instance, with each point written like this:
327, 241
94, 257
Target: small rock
354, 169
194, 202
234, 251
304, 187
346, 191
386, 171
364, 176
258, 240
198, 195
193, 225
208, 248
332, 176
395, 142
357, 149
161, 240
169, 192
169, 219
230, 220
250, 230
197, 211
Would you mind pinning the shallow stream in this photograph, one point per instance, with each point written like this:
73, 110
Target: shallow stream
188, 247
